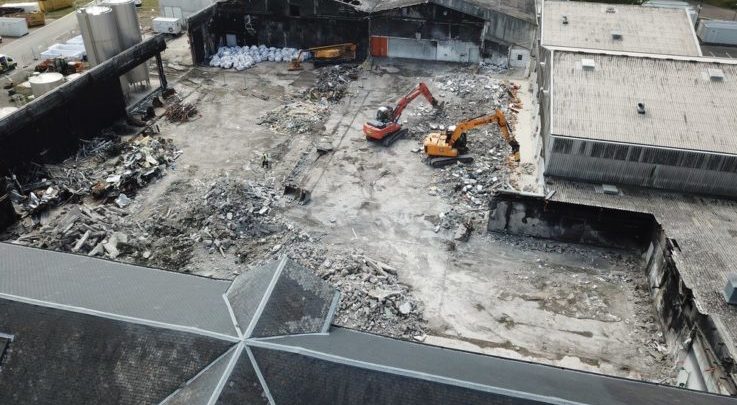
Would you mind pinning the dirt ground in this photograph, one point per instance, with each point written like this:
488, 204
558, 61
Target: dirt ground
568, 305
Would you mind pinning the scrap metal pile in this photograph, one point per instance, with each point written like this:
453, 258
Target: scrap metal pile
106, 169
332, 83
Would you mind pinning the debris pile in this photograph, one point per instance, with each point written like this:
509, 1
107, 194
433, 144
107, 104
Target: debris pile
241, 58
372, 298
332, 83
103, 168
298, 117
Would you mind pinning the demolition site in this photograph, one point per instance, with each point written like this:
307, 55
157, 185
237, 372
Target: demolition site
371, 201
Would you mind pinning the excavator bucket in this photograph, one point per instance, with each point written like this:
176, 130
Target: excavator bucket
297, 194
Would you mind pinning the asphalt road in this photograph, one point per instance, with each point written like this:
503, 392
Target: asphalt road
26, 49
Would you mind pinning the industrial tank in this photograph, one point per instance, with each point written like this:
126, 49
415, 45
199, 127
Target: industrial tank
45, 82
129, 33
98, 26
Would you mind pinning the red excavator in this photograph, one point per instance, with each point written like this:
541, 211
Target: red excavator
386, 128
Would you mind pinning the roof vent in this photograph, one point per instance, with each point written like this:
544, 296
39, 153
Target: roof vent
617, 35
588, 64
641, 108
730, 290
716, 75
564, 20
610, 10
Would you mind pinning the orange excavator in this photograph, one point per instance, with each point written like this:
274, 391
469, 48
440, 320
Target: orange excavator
448, 147
386, 128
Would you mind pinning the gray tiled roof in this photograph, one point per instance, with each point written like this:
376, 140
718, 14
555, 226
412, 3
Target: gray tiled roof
684, 108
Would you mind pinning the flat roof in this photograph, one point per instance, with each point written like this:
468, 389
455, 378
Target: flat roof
689, 102
642, 29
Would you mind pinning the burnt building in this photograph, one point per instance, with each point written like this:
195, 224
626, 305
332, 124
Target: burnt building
443, 30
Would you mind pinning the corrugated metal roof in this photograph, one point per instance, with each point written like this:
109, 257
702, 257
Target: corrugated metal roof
704, 228
684, 107
643, 29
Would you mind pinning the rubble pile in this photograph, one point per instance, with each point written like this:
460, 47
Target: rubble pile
80, 229
473, 184
332, 83
372, 299
298, 117
241, 58
104, 168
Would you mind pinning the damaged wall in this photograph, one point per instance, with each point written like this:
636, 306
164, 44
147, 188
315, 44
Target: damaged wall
709, 366
51, 126
536, 217
7, 213
278, 23
458, 26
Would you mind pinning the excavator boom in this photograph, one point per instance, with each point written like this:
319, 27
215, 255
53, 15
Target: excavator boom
403, 102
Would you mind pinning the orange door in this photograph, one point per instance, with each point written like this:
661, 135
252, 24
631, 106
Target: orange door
379, 46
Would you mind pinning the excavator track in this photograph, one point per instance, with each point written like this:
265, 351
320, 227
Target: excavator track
390, 139
445, 161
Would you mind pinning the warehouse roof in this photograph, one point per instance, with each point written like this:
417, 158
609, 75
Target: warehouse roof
688, 102
638, 29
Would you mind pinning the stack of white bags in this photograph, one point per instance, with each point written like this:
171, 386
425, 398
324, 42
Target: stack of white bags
241, 58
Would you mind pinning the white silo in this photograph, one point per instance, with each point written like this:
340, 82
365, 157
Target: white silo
129, 33
99, 33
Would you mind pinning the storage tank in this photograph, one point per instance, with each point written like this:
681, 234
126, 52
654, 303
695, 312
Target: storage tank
129, 32
99, 33
45, 82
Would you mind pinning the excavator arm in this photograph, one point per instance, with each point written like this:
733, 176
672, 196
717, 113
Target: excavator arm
403, 102
498, 117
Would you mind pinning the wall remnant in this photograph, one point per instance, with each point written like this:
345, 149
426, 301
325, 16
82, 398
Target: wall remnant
50, 127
